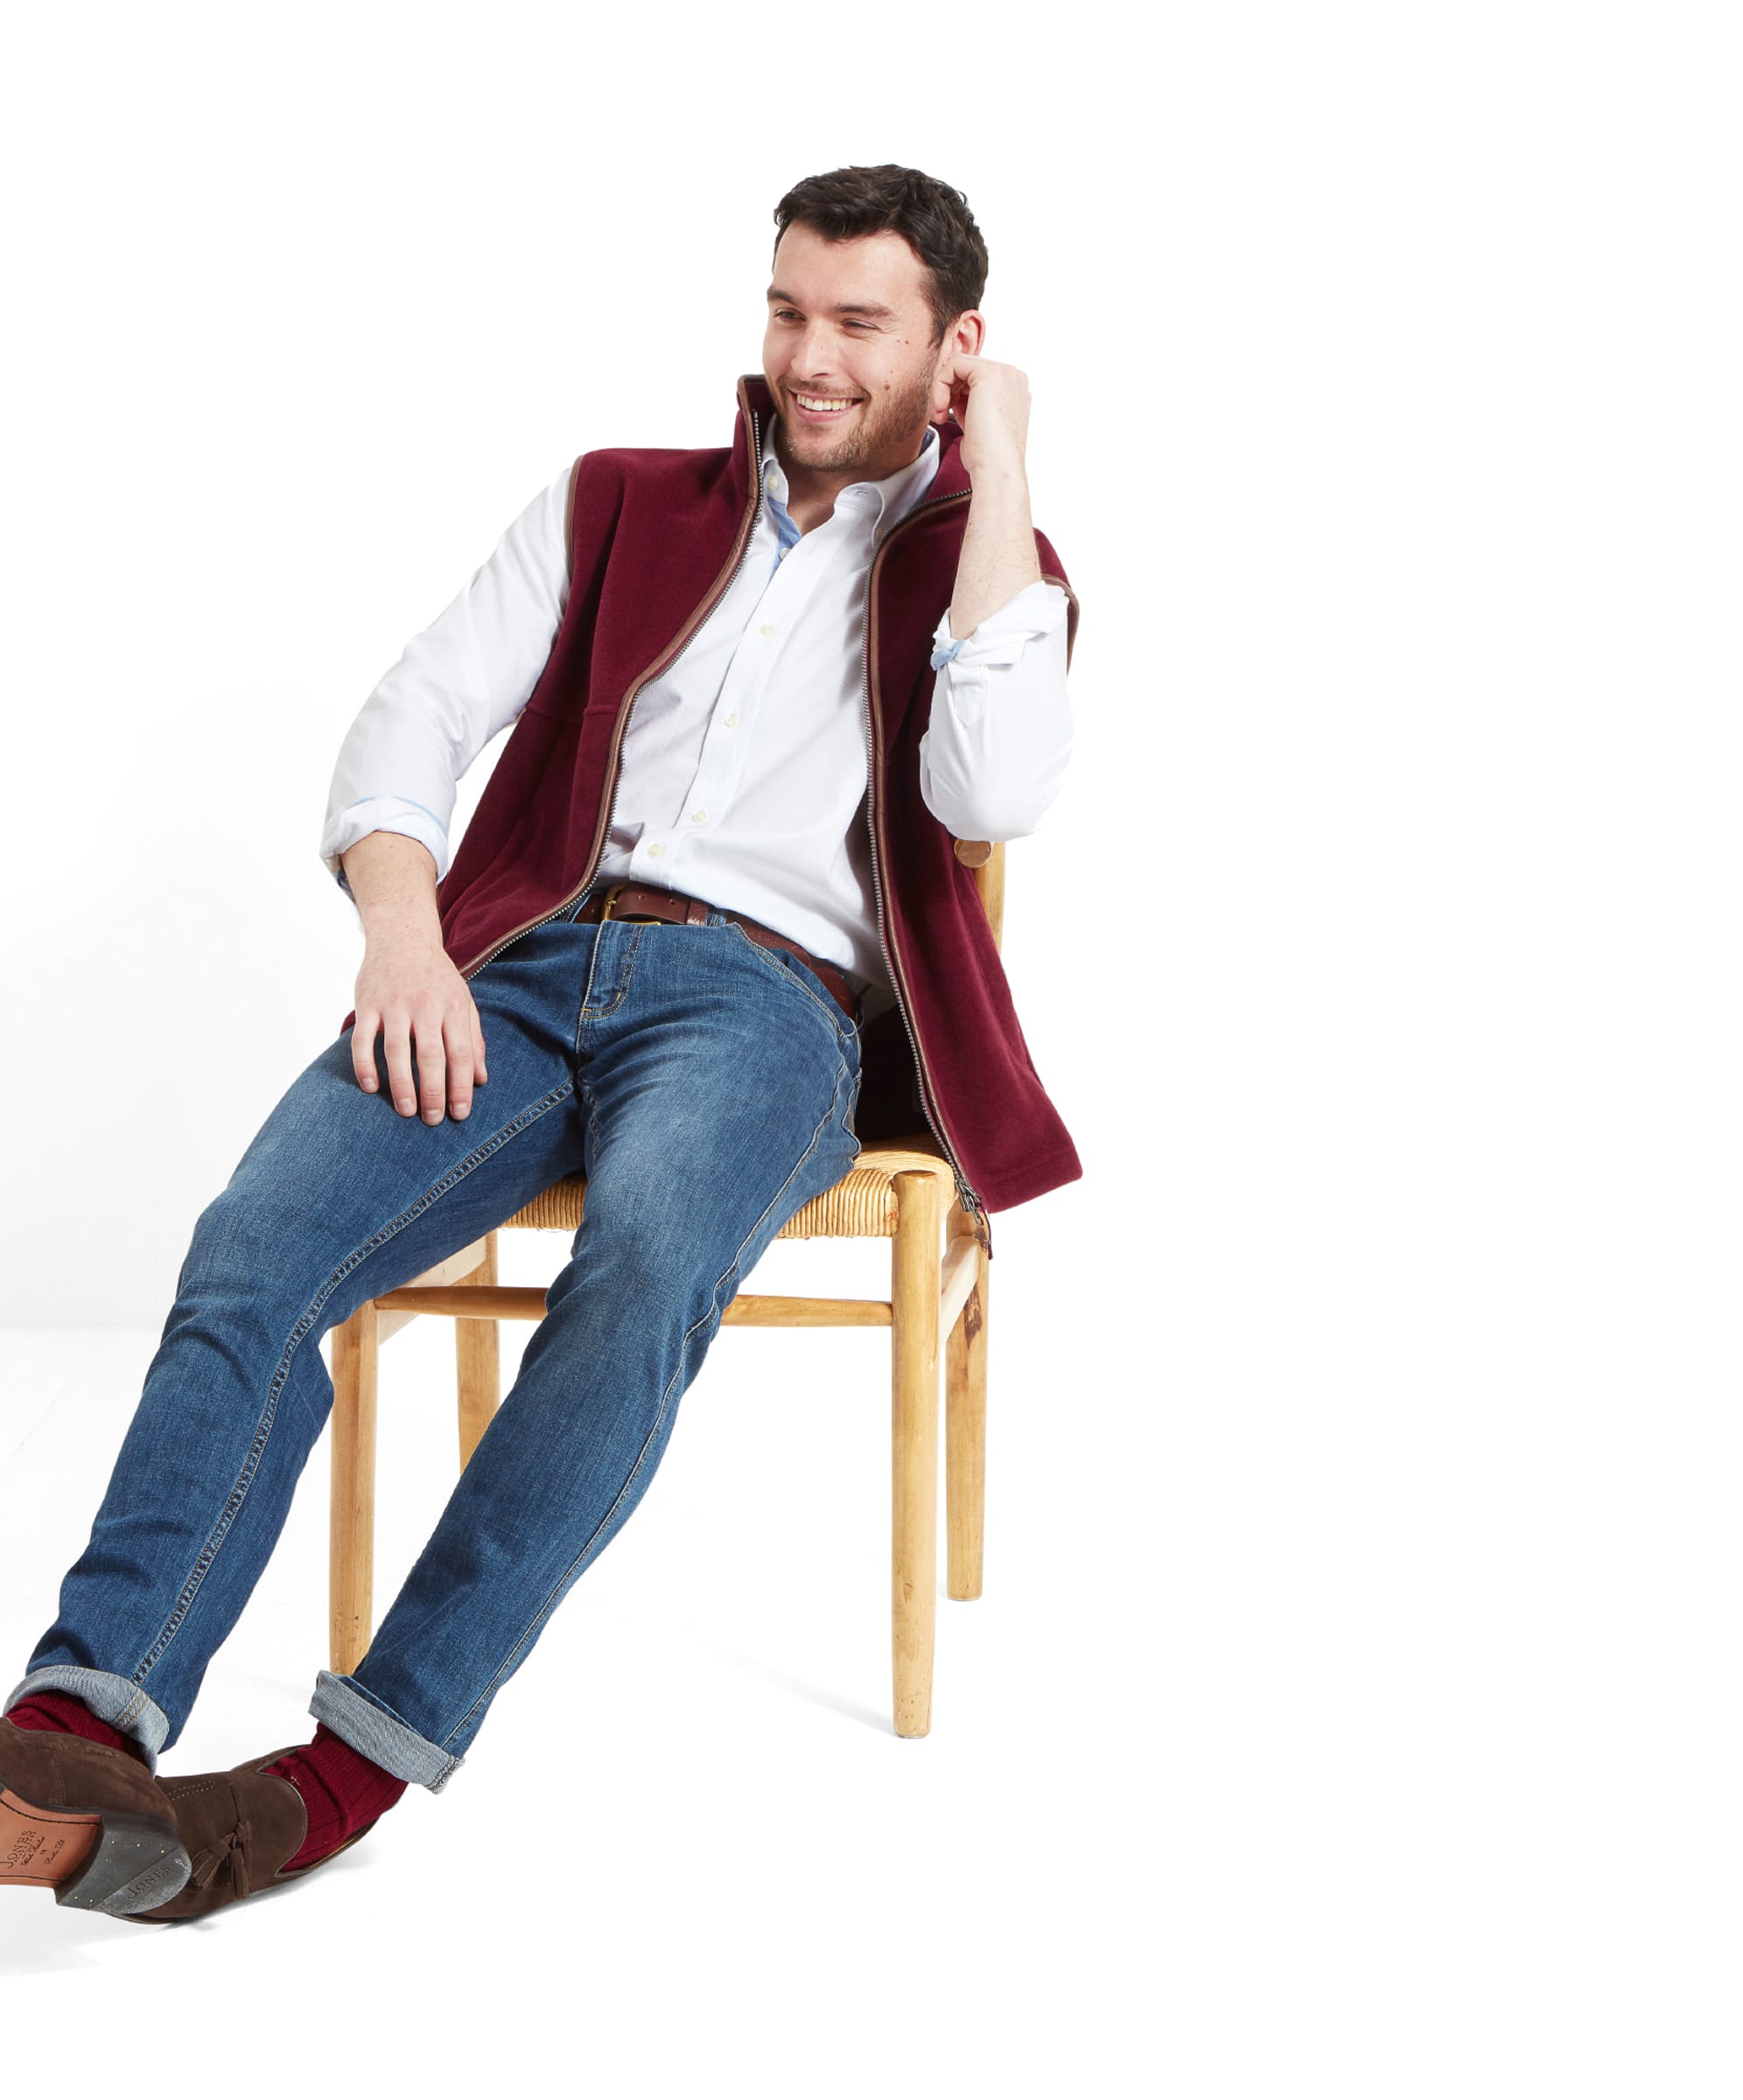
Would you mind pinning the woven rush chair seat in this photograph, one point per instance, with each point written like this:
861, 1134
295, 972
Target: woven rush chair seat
861, 1206
902, 1190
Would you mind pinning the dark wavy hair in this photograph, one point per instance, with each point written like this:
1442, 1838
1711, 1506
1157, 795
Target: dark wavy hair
932, 219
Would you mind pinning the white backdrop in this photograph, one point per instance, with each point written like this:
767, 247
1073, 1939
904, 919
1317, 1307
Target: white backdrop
1377, 1380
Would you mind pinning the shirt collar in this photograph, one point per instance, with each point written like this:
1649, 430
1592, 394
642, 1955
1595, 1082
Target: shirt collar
883, 503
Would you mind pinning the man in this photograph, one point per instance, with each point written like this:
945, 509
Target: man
706, 926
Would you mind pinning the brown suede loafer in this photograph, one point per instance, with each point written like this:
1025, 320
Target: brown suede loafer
88, 1821
239, 1827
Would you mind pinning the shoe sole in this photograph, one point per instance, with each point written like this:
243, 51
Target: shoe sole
102, 1859
279, 1880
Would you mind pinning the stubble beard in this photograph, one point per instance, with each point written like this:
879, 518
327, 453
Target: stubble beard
901, 411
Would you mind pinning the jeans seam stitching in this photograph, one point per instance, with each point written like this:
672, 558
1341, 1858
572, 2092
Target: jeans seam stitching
593, 1125
628, 972
263, 1428
575, 1566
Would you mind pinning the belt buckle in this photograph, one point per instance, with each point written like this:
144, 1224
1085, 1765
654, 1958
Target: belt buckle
634, 918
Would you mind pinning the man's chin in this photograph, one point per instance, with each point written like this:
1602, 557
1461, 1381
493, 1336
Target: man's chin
820, 448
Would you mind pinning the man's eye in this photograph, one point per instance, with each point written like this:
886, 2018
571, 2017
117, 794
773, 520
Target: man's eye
786, 313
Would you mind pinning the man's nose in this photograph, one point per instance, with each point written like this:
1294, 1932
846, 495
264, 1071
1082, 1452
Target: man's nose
812, 353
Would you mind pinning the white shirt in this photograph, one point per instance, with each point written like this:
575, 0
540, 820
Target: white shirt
743, 769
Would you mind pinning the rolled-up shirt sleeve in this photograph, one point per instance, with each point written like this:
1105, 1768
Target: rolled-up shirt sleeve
466, 676
999, 737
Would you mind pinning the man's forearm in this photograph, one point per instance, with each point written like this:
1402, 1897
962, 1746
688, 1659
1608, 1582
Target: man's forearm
998, 550
393, 879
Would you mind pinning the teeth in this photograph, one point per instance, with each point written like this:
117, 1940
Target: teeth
811, 401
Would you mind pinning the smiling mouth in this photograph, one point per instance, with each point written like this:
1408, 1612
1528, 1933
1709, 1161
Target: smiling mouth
823, 405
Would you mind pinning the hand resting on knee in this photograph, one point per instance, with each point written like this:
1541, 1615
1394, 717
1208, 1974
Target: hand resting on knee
408, 991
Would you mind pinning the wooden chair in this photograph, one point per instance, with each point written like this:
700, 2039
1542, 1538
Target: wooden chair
901, 1191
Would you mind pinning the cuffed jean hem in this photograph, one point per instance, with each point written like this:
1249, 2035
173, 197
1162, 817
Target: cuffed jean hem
116, 1699
379, 1733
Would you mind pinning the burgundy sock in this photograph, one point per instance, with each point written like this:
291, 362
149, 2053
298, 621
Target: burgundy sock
341, 1789
61, 1713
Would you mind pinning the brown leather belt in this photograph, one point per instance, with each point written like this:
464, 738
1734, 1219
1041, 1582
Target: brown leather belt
635, 900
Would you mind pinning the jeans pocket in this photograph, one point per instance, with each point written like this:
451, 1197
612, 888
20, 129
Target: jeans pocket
785, 964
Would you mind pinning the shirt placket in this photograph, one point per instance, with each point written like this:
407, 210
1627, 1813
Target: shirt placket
794, 568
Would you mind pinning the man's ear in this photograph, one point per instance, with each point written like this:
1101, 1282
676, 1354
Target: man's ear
978, 330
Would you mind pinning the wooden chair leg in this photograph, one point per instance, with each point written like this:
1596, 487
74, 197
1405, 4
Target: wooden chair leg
479, 1362
356, 1355
965, 1429
913, 1561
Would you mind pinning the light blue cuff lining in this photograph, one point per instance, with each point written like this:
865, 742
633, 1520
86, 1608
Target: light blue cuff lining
409, 802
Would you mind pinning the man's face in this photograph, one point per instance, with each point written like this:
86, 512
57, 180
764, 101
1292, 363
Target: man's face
848, 321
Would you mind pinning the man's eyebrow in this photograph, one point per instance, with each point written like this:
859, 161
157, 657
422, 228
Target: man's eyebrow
868, 307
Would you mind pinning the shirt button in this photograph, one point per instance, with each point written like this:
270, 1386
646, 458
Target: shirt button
653, 852
698, 816
765, 629
732, 721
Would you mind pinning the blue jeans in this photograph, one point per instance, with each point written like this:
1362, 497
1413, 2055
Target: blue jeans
705, 1086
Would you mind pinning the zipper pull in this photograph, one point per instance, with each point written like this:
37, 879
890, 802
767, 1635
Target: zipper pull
979, 1224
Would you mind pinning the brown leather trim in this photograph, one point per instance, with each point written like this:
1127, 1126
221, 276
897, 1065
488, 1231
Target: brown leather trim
569, 525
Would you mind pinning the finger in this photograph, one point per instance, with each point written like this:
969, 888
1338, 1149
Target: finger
396, 1042
363, 1049
479, 1072
432, 1066
457, 1038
